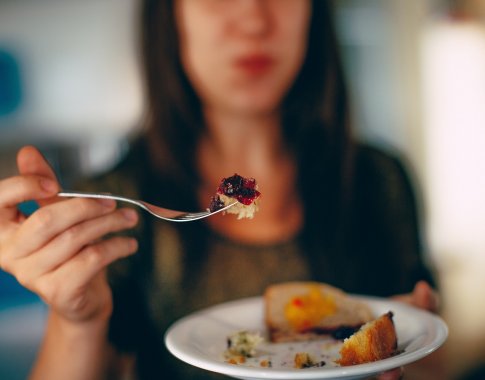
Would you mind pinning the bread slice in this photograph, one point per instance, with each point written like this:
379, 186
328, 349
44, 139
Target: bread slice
299, 311
375, 340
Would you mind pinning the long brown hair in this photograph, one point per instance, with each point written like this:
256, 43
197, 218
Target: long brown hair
315, 114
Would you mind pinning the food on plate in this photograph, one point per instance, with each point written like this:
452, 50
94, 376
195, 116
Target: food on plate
300, 311
236, 359
305, 360
240, 189
375, 340
243, 343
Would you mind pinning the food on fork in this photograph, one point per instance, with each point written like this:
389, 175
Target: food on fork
300, 311
375, 340
240, 189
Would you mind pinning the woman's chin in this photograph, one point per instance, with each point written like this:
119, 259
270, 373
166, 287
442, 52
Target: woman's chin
255, 106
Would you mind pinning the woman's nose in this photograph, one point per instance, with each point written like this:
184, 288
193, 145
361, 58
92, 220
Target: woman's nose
255, 17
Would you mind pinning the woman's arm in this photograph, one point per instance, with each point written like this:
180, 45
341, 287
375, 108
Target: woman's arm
61, 253
74, 351
80, 352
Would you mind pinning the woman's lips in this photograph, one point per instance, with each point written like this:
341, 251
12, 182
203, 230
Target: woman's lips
255, 64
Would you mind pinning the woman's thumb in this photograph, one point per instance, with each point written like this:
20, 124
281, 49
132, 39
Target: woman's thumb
31, 162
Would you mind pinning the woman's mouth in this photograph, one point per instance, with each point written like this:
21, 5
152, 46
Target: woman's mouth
256, 64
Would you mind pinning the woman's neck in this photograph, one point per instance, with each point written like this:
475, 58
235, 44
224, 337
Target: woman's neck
242, 143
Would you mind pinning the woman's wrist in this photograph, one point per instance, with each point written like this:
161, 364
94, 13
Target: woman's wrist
88, 339
97, 326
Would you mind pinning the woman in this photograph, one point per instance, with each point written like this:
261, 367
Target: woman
247, 86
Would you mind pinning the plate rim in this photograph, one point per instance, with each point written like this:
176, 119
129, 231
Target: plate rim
440, 332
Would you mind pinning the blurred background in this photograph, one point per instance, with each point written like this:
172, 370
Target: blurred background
69, 83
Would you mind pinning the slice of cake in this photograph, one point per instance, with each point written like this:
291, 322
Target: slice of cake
375, 340
242, 190
299, 311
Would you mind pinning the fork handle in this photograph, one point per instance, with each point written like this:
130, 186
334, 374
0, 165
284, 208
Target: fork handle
76, 194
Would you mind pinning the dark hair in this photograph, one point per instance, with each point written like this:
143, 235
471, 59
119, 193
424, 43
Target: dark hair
315, 113
174, 119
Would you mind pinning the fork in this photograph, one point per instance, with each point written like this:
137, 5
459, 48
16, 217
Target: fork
159, 212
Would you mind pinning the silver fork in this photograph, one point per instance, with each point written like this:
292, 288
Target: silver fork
159, 212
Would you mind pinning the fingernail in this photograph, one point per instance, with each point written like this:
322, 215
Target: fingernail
48, 185
108, 203
129, 214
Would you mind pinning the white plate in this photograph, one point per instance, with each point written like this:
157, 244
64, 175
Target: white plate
200, 340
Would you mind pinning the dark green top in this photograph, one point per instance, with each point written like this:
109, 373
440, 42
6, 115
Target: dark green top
182, 267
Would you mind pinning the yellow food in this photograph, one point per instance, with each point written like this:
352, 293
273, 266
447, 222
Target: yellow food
306, 310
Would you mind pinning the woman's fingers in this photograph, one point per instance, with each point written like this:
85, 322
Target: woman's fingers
425, 297
93, 258
422, 296
394, 374
69, 283
31, 162
13, 191
67, 244
18, 189
49, 221
78, 289
36, 181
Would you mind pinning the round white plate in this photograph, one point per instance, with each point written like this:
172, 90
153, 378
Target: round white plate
200, 340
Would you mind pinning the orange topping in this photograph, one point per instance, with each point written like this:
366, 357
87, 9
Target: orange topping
304, 311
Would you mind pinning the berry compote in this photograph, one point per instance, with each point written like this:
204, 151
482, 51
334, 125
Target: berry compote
244, 190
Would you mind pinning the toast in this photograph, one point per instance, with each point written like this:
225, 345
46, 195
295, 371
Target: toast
300, 311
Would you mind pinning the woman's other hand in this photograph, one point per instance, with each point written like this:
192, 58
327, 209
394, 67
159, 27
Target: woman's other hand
424, 297
59, 252
395, 374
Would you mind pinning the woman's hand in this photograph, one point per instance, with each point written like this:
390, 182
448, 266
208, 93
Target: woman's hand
59, 252
423, 297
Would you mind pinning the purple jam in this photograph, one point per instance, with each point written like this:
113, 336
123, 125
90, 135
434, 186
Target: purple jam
240, 188
216, 203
